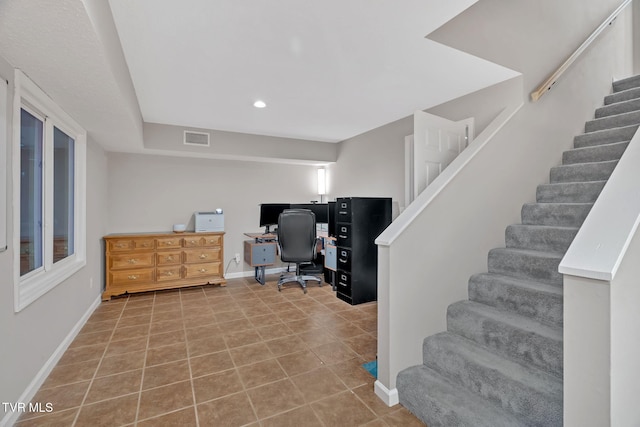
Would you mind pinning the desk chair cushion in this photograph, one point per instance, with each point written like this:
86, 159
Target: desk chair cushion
297, 241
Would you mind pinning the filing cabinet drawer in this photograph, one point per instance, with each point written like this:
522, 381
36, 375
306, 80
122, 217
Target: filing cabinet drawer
259, 254
343, 282
343, 232
344, 259
343, 210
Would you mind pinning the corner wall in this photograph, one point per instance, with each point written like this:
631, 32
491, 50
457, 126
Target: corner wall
34, 337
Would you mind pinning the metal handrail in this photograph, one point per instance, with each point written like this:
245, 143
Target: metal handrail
548, 84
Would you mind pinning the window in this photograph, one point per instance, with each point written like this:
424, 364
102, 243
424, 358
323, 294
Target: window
49, 159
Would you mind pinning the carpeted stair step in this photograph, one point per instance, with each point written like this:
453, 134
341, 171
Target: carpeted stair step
558, 214
618, 108
543, 238
525, 264
530, 394
439, 403
597, 153
622, 96
606, 136
536, 300
571, 192
582, 172
518, 338
628, 83
619, 120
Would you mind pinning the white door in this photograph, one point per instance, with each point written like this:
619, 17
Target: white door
436, 142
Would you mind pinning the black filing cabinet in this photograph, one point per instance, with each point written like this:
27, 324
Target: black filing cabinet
359, 221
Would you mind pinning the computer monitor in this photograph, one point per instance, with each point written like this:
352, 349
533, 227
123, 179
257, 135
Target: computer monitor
321, 210
269, 213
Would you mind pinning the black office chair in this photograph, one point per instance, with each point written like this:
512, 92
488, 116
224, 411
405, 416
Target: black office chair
297, 241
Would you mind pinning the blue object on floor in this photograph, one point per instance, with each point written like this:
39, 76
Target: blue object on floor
372, 368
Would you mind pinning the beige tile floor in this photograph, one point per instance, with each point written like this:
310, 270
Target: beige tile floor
244, 354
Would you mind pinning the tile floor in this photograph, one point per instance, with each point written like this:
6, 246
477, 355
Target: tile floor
238, 355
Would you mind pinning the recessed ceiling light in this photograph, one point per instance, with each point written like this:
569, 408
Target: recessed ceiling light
259, 104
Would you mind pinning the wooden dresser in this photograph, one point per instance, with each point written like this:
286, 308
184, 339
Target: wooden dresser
153, 261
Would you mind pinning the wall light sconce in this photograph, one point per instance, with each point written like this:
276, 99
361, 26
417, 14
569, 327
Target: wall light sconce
322, 182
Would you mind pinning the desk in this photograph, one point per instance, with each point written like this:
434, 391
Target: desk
260, 252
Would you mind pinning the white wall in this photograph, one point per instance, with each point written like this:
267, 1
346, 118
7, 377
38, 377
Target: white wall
431, 262
32, 337
151, 193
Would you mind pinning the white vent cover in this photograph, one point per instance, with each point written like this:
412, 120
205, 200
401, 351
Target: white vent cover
196, 138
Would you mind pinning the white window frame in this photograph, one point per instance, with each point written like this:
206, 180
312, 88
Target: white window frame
33, 285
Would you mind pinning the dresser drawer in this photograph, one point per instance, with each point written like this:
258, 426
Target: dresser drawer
144, 244
193, 242
120, 245
131, 260
202, 270
212, 240
164, 274
169, 242
131, 277
201, 255
168, 258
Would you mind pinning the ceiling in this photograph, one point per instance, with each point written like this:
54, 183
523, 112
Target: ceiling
327, 70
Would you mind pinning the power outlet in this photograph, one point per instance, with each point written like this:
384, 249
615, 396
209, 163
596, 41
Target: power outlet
237, 258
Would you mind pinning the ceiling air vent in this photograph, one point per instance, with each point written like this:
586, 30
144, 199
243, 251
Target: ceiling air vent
196, 138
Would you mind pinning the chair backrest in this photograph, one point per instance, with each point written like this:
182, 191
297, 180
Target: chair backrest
297, 235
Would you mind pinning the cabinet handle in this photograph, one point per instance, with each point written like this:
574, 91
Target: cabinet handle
121, 245
169, 258
133, 261
344, 261
168, 273
203, 256
342, 212
342, 284
193, 242
341, 236
133, 277
202, 270
144, 245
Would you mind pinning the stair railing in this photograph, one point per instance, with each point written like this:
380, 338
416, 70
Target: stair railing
553, 79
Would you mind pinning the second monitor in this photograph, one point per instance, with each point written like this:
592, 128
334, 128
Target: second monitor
320, 210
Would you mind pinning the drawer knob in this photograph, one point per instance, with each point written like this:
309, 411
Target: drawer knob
170, 242
193, 242
133, 261
169, 258
203, 256
203, 270
121, 245
144, 245
168, 273
133, 277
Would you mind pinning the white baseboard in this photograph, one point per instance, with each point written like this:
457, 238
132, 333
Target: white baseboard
389, 397
251, 273
11, 417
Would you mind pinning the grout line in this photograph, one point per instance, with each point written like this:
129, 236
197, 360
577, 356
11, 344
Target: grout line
144, 360
86, 394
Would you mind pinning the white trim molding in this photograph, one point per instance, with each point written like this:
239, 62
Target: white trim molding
389, 397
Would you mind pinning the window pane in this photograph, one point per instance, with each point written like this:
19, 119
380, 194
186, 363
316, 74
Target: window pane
63, 151
31, 236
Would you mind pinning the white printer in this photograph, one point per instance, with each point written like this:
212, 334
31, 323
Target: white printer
209, 221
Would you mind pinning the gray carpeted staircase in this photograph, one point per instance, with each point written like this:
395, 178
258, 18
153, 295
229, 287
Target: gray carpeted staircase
500, 361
